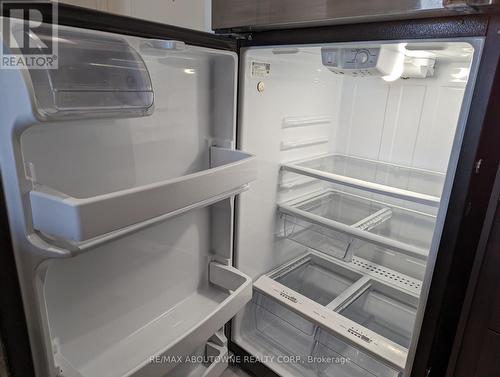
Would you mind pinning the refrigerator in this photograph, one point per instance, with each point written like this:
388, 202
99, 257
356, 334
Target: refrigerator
177, 200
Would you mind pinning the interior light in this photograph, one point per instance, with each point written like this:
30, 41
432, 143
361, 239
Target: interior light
462, 74
284, 51
419, 54
399, 64
189, 71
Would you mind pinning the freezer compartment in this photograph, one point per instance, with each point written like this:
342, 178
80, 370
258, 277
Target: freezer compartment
74, 217
337, 223
386, 311
316, 279
422, 186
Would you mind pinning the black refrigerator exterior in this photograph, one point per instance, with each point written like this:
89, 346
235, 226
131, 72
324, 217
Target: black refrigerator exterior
471, 191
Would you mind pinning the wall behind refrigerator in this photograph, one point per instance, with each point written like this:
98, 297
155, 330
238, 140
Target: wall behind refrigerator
192, 14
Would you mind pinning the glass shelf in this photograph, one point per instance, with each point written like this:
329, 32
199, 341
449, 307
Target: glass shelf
403, 182
331, 222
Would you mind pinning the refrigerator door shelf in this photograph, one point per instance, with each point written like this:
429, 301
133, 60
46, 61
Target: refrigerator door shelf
402, 182
332, 222
215, 359
215, 362
96, 76
80, 219
219, 355
152, 351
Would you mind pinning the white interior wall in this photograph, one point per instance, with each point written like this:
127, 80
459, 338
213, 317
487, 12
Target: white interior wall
297, 87
193, 14
409, 122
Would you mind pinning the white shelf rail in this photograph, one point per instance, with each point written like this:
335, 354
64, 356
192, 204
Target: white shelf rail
305, 121
288, 145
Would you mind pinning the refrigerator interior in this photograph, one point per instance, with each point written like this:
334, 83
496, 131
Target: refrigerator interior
354, 174
129, 216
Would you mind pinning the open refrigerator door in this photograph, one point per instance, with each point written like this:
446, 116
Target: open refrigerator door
120, 172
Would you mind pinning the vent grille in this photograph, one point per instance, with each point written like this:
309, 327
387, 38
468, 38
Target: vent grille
402, 281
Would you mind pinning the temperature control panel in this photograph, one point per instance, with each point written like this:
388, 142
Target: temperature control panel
359, 62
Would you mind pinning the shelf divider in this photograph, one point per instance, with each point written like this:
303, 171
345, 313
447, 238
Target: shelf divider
350, 294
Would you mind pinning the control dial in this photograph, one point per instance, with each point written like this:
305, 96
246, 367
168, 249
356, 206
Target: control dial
361, 57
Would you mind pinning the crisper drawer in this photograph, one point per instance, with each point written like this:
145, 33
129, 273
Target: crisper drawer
319, 352
360, 317
336, 358
316, 280
386, 311
282, 327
